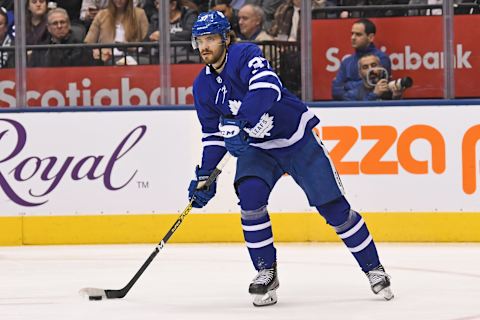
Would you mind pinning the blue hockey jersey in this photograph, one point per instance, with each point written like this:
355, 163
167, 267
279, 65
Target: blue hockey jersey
248, 89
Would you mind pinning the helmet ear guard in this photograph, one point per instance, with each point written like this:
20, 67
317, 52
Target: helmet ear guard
212, 22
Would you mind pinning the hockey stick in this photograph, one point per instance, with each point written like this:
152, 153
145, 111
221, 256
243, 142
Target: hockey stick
99, 294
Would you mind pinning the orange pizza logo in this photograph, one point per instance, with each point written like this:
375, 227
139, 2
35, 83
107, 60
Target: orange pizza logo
385, 138
388, 137
469, 159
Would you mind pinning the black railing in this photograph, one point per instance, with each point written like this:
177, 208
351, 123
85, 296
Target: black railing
391, 10
284, 56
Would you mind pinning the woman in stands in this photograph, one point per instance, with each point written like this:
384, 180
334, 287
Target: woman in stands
120, 22
36, 21
89, 9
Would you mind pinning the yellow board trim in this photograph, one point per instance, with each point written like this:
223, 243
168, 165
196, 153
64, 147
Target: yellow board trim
11, 231
287, 227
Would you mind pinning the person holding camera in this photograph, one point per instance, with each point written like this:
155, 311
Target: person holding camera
348, 77
376, 83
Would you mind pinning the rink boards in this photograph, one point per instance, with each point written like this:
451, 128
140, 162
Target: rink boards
121, 176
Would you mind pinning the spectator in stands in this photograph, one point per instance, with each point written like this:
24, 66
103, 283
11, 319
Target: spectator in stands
120, 22
224, 7
269, 7
286, 24
90, 8
8, 5
59, 32
36, 21
181, 22
348, 77
6, 57
375, 81
149, 8
286, 27
250, 21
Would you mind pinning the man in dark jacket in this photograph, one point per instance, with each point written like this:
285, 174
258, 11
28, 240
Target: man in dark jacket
376, 82
60, 32
348, 77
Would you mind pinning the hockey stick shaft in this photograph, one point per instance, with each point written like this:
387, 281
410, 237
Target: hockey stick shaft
115, 294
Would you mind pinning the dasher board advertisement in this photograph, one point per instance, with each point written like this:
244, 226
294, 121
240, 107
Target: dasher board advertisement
396, 159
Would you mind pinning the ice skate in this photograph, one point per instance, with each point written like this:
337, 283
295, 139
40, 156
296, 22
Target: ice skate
264, 286
380, 282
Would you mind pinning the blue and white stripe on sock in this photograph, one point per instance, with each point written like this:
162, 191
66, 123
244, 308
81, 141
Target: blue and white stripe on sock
357, 238
257, 231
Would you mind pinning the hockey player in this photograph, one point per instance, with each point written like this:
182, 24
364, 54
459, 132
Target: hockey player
244, 109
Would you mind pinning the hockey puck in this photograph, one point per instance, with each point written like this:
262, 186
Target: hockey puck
95, 298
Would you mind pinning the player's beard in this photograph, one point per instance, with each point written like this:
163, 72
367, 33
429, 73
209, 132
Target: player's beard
214, 57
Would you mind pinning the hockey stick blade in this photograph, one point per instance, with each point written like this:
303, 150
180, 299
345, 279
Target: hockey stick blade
100, 294
93, 293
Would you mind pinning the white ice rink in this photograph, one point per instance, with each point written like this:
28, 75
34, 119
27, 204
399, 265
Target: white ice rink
317, 281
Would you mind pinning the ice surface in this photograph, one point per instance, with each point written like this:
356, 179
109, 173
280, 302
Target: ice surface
210, 281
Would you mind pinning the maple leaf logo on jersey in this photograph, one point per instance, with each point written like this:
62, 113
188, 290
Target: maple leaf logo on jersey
262, 128
234, 105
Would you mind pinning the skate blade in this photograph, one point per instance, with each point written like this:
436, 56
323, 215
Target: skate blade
267, 299
387, 293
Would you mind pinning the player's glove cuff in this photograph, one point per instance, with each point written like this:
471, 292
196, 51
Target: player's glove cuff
235, 137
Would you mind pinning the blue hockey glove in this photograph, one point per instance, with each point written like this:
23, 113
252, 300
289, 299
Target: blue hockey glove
235, 137
202, 196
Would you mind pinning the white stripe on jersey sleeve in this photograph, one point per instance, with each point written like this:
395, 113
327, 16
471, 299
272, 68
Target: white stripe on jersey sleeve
266, 85
264, 74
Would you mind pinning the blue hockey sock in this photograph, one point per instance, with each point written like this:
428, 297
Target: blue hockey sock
259, 239
256, 225
351, 228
